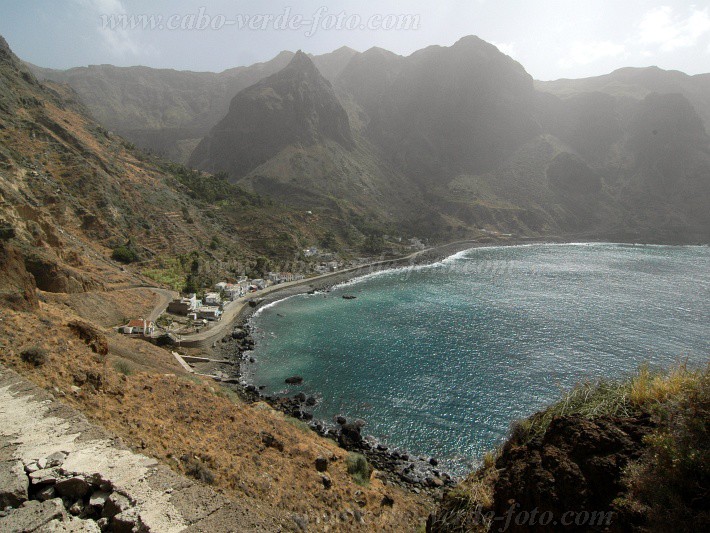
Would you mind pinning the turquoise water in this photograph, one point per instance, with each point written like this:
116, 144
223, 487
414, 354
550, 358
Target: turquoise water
440, 359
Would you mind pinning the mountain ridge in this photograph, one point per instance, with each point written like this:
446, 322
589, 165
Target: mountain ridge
475, 143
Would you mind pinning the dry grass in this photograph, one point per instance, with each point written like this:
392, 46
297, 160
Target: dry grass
171, 416
644, 390
669, 484
658, 387
467, 508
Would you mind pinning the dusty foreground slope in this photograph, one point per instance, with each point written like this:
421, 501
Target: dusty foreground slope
249, 453
114, 486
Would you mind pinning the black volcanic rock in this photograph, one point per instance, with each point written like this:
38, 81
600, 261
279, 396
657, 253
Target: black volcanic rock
296, 106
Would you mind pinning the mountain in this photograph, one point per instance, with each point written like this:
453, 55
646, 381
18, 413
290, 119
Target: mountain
636, 84
448, 142
297, 105
76, 204
75, 199
169, 111
442, 111
289, 137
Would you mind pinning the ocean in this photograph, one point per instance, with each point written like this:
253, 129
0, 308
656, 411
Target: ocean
440, 359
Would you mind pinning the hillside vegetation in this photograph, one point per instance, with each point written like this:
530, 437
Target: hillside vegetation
636, 450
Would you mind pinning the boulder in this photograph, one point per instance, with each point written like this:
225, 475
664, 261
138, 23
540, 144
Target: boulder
90, 335
31, 467
300, 397
73, 487
350, 436
294, 380
271, 442
33, 515
321, 464
116, 504
56, 459
72, 525
98, 499
45, 476
13, 484
46, 493
126, 522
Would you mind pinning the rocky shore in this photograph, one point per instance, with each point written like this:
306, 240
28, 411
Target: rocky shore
396, 466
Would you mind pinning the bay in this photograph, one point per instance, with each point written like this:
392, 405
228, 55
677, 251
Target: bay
440, 359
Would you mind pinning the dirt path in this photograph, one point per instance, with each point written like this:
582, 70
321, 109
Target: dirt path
165, 296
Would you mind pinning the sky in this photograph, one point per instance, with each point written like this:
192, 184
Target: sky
551, 38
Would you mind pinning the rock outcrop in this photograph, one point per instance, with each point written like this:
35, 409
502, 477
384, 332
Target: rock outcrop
577, 466
60, 473
17, 286
295, 106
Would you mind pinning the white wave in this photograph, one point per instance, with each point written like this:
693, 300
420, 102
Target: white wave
272, 304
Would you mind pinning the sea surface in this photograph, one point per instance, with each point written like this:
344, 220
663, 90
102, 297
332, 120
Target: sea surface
440, 359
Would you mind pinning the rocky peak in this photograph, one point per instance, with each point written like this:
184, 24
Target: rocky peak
301, 60
6, 55
295, 106
3, 44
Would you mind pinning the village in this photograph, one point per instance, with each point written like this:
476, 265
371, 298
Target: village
196, 312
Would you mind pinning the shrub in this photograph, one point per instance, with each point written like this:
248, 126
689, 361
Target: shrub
644, 390
672, 477
358, 468
124, 254
298, 424
35, 356
124, 367
196, 468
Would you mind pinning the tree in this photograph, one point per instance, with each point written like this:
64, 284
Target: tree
191, 284
125, 253
329, 241
373, 244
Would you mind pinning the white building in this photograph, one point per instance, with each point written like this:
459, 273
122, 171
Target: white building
212, 298
209, 312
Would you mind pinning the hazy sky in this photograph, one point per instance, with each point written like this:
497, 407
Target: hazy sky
552, 39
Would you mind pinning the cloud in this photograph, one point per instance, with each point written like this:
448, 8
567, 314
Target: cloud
120, 42
584, 53
102, 7
508, 49
669, 31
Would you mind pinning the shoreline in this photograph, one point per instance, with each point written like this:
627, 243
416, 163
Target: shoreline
397, 466
424, 257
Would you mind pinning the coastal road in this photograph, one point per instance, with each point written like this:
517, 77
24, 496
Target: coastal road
232, 309
165, 296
